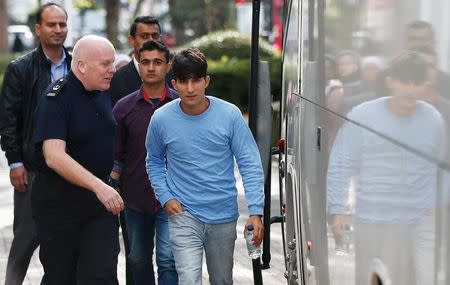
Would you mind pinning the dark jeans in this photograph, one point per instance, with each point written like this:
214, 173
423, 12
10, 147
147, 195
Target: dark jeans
25, 241
80, 251
141, 229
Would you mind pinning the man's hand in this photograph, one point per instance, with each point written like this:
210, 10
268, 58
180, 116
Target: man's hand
18, 178
258, 233
336, 227
173, 207
109, 198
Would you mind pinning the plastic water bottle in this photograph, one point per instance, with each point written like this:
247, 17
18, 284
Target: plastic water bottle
253, 251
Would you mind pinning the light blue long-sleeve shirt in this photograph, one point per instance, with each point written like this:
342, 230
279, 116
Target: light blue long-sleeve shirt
191, 159
393, 185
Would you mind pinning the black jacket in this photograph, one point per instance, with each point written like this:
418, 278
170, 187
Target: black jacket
25, 80
125, 81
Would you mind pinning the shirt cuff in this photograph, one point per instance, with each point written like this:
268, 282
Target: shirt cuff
255, 211
336, 209
117, 167
165, 197
16, 165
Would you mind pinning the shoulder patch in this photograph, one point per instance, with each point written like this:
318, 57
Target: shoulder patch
56, 87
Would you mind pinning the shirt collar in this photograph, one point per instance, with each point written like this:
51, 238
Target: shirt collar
136, 64
146, 97
62, 59
58, 70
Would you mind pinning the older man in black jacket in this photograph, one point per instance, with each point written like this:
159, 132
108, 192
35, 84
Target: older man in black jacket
25, 80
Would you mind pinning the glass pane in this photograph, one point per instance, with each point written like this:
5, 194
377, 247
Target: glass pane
381, 206
364, 41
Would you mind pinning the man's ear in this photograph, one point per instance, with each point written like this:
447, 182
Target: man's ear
131, 41
37, 29
169, 66
81, 65
207, 80
174, 84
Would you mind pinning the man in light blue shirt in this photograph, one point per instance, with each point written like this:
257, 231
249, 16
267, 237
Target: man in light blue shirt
192, 143
395, 176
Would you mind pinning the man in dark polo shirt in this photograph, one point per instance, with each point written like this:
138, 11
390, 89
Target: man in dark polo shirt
73, 207
143, 213
126, 81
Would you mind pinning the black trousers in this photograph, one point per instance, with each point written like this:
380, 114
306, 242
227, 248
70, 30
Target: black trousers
25, 240
79, 251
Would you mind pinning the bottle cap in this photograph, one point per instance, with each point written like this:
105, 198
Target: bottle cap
250, 227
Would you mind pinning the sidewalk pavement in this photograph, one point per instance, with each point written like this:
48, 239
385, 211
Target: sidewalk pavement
242, 271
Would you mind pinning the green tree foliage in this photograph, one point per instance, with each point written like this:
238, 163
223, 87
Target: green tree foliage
230, 80
84, 4
5, 59
229, 43
194, 18
228, 55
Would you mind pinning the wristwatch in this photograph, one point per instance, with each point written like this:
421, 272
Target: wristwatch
114, 183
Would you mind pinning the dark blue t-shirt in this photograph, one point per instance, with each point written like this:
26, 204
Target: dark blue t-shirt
84, 120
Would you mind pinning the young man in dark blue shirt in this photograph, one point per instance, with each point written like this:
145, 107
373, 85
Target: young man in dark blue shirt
73, 207
143, 213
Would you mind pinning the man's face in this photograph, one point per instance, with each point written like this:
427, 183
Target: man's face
153, 67
99, 68
409, 92
144, 32
191, 91
346, 65
52, 30
419, 37
370, 72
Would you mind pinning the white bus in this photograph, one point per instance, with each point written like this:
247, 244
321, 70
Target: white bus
365, 160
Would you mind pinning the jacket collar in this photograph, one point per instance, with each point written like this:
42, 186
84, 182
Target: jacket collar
43, 57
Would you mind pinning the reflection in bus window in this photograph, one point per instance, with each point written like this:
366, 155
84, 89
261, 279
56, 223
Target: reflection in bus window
395, 188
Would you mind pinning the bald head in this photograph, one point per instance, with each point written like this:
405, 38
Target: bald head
93, 62
89, 47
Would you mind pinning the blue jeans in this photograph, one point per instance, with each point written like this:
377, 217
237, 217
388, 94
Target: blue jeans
189, 237
141, 229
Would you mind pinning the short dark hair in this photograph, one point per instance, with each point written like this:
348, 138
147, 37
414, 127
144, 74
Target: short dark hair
154, 45
189, 63
45, 6
148, 20
421, 25
409, 66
